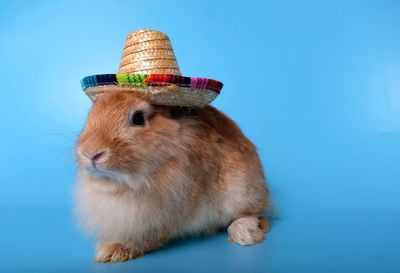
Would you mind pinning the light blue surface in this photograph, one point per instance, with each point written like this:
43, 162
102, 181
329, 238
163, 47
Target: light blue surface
315, 84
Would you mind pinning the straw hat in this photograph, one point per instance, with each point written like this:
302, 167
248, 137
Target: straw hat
149, 69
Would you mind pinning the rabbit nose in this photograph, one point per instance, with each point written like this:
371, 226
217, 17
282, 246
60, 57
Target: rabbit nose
94, 157
98, 155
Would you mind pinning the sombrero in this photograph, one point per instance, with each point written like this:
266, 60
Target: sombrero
149, 69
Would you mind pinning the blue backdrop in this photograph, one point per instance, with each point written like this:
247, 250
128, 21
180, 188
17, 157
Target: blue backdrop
315, 84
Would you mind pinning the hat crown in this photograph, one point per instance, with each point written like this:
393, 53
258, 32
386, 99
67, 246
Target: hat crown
148, 52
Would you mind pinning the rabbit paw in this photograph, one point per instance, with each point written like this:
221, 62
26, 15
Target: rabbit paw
114, 253
247, 230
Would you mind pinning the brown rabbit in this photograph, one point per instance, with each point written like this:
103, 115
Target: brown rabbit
149, 173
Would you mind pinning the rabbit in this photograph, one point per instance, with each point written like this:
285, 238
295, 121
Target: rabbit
147, 174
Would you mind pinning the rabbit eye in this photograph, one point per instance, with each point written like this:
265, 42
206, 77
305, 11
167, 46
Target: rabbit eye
137, 119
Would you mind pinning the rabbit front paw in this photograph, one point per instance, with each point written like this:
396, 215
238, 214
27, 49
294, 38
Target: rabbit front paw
115, 252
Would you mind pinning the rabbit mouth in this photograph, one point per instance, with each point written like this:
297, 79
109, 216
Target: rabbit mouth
135, 182
98, 170
108, 174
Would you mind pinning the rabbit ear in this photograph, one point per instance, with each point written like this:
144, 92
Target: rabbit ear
178, 111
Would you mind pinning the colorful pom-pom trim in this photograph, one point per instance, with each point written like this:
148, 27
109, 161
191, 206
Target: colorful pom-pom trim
143, 80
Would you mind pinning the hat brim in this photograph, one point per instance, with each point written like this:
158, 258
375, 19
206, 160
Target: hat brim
161, 89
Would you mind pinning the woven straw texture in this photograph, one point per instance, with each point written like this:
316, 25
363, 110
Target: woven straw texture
150, 52
159, 95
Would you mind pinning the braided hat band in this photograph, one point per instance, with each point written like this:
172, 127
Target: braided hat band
149, 69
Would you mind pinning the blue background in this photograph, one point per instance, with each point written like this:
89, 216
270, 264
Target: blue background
315, 84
